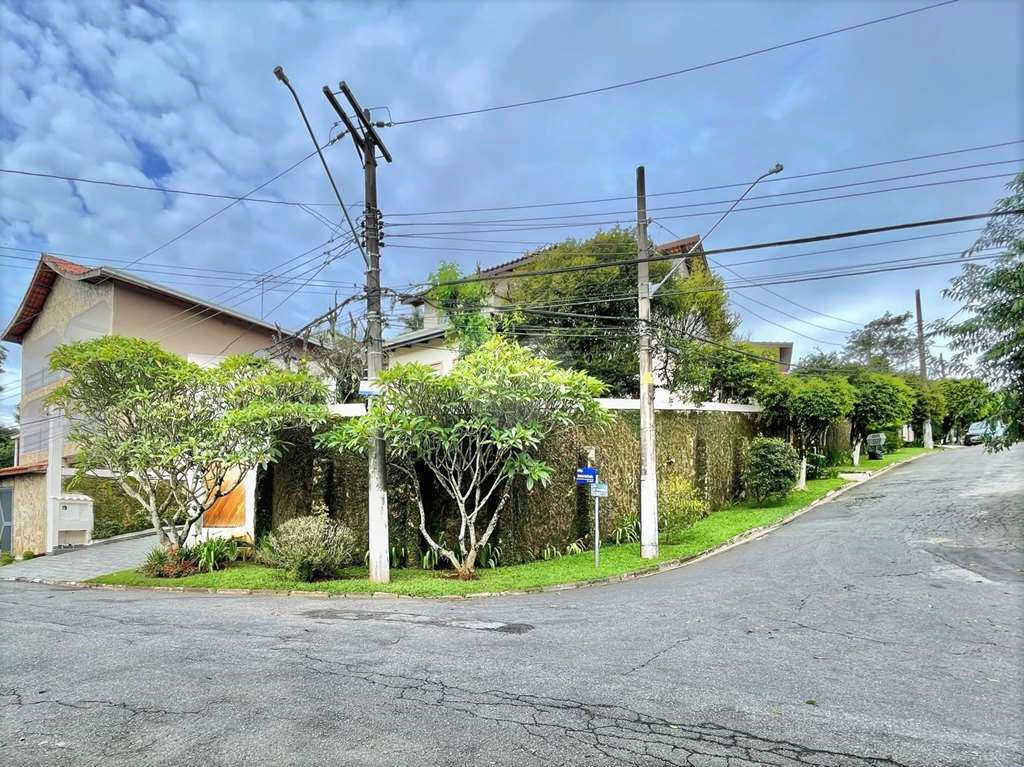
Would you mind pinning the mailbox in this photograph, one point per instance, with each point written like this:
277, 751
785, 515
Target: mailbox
875, 443
74, 519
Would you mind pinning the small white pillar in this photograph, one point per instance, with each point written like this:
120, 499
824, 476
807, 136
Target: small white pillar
54, 477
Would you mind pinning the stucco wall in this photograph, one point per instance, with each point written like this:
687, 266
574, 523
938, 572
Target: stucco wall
68, 300
434, 354
180, 328
29, 503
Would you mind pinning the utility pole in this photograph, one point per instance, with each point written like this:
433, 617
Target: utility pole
923, 364
648, 466
367, 143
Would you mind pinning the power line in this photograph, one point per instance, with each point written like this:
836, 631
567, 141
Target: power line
217, 212
936, 259
676, 73
161, 189
705, 203
618, 222
776, 294
208, 278
738, 184
735, 249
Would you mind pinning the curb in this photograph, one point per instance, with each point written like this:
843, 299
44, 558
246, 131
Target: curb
673, 564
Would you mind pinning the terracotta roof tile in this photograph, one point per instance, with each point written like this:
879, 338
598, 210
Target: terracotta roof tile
32, 468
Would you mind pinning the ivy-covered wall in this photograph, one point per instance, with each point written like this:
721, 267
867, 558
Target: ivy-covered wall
114, 512
706, 449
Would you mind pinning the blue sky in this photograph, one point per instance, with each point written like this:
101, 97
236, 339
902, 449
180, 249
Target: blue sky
182, 95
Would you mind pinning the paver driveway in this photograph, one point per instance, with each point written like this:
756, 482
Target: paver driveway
895, 609
83, 564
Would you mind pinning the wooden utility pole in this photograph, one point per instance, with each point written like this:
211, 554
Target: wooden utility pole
367, 143
648, 463
922, 362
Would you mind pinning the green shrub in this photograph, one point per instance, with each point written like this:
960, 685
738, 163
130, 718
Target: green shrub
6, 558
215, 554
309, 548
820, 467
164, 562
772, 468
28, 554
893, 440
678, 505
628, 529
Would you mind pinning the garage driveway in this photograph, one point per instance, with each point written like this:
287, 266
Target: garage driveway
883, 629
82, 564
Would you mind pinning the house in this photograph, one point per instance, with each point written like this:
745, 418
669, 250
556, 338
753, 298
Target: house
778, 351
427, 344
69, 302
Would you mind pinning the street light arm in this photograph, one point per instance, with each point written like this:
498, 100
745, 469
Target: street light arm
280, 75
776, 168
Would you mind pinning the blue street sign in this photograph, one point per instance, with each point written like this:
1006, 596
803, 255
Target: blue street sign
586, 475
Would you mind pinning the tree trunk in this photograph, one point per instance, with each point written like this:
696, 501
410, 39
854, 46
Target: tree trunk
801, 482
856, 452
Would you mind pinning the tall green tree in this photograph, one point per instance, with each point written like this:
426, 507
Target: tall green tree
475, 430
588, 319
886, 343
991, 336
967, 400
177, 436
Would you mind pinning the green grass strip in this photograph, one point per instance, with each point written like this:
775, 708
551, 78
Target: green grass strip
709, 532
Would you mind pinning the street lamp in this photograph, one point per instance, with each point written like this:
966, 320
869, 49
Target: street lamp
776, 168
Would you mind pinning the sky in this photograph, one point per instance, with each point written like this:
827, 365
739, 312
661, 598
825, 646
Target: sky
183, 96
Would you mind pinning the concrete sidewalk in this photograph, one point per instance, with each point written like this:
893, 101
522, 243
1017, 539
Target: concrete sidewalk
82, 564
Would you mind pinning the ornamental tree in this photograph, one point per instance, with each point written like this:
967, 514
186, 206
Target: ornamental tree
814, 404
475, 430
178, 437
880, 401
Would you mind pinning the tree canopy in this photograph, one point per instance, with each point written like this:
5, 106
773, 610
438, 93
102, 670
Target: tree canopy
967, 400
880, 401
588, 319
462, 304
990, 337
177, 436
885, 343
475, 430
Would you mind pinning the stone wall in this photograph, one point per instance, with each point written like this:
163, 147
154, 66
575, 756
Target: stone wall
29, 502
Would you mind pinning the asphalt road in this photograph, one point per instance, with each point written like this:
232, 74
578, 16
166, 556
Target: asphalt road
882, 629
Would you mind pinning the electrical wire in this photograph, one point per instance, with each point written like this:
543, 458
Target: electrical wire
737, 184
507, 224
732, 249
676, 73
791, 193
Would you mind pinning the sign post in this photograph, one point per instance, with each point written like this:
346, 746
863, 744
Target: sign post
598, 490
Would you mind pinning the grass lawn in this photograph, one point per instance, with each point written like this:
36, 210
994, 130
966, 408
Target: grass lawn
886, 460
615, 560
